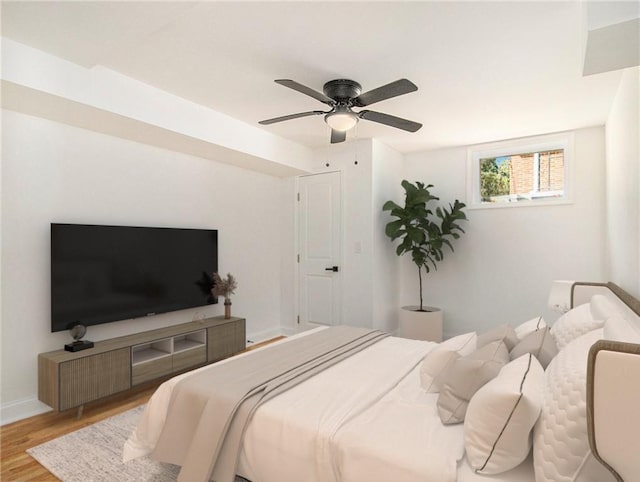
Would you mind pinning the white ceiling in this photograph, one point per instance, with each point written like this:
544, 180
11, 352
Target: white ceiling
485, 70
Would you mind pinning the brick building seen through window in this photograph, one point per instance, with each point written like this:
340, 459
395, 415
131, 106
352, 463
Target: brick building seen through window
525, 176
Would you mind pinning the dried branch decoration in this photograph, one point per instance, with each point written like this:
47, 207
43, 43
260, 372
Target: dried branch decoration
224, 286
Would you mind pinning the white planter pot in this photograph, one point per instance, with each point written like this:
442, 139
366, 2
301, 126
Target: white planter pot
421, 325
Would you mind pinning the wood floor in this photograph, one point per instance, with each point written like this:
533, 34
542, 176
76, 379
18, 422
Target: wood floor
17, 437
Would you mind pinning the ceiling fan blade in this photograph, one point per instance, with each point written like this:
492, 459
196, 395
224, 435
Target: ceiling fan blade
338, 136
389, 120
290, 116
292, 84
394, 89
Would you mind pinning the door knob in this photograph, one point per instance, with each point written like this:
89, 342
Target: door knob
333, 268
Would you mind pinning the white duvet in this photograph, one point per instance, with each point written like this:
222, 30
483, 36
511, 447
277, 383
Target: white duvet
365, 418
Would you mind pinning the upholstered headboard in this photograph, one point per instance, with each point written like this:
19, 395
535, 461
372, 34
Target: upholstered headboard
582, 292
613, 384
613, 402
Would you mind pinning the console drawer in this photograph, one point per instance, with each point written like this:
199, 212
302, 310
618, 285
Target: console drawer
146, 371
189, 358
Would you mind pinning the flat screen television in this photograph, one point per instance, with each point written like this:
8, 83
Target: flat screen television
101, 274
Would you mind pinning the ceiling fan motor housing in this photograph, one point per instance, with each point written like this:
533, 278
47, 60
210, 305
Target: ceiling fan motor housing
342, 89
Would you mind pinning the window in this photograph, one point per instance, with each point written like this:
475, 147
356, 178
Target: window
523, 172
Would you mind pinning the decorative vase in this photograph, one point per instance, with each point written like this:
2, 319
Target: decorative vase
227, 308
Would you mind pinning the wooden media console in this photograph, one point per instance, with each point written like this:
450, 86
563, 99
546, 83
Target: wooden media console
70, 379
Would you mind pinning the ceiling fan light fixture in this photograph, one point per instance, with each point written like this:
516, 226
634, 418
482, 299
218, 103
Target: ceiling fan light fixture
341, 121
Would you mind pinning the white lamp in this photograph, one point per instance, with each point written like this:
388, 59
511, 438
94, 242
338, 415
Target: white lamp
341, 120
560, 295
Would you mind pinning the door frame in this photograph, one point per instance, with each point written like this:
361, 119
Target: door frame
297, 326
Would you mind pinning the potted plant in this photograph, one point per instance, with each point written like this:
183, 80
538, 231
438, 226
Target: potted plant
423, 234
224, 287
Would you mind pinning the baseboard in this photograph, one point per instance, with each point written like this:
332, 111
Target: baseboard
19, 409
259, 336
288, 331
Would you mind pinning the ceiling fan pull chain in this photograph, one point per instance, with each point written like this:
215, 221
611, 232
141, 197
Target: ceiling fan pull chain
355, 141
327, 163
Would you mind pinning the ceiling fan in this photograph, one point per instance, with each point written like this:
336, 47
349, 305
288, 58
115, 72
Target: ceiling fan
342, 95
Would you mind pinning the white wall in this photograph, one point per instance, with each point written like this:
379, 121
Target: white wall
388, 169
623, 185
288, 265
502, 267
357, 271
55, 173
371, 175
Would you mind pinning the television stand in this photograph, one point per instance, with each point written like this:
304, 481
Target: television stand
70, 379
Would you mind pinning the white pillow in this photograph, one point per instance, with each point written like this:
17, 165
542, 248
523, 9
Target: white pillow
560, 443
602, 307
616, 328
501, 415
466, 376
528, 327
438, 359
500, 333
573, 324
540, 344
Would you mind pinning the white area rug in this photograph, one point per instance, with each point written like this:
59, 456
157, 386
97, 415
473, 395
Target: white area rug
94, 454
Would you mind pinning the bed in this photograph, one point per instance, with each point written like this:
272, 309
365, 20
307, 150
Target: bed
368, 417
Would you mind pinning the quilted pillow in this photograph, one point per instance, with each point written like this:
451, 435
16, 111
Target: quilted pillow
438, 359
528, 327
561, 450
540, 344
602, 307
465, 376
501, 333
501, 415
573, 324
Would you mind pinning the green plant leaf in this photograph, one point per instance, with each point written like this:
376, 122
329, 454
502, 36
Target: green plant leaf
415, 235
399, 233
393, 227
389, 205
421, 232
408, 187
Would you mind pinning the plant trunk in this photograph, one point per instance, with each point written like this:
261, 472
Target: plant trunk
420, 278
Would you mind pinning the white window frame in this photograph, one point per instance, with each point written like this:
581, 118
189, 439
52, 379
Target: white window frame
549, 142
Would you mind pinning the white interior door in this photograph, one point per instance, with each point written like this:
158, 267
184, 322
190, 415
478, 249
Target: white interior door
319, 241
